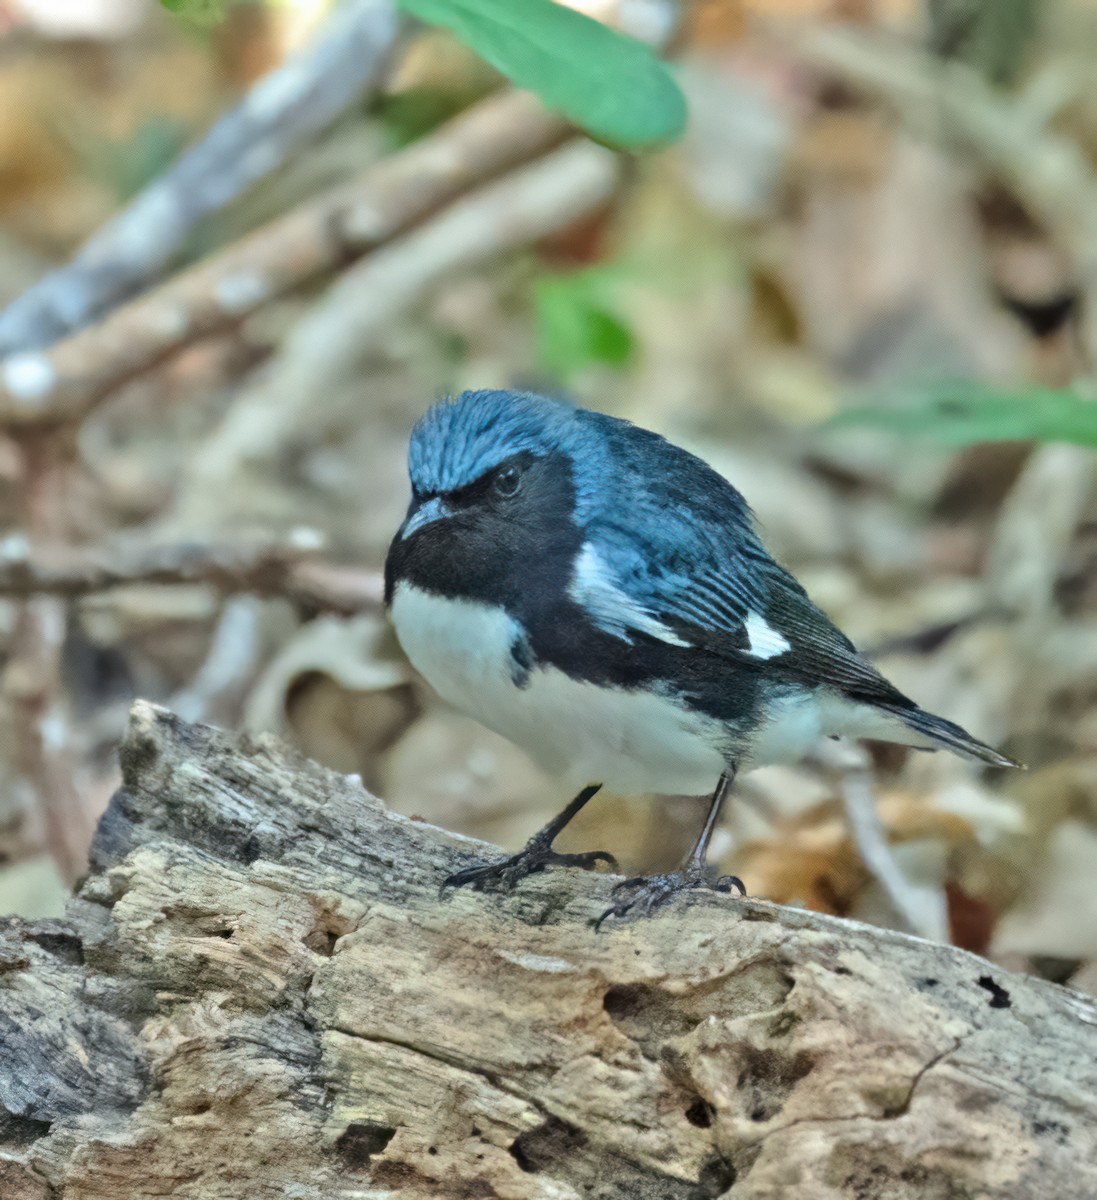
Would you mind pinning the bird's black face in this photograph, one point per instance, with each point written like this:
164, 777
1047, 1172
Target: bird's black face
497, 539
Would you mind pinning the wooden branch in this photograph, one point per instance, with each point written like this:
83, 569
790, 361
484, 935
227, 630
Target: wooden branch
284, 568
259, 993
65, 345
61, 384
282, 112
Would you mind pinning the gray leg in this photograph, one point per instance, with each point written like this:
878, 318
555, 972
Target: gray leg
641, 896
537, 855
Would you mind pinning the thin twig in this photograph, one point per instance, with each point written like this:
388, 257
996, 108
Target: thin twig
64, 382
285, 568
282, 112
230, 663
848, 765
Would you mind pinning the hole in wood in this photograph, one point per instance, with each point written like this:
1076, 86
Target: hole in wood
700, 1113
361, 1140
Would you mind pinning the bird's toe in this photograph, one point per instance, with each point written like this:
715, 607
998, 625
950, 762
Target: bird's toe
642, 896
506, 874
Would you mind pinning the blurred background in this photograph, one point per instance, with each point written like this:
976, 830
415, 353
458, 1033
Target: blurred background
242, 250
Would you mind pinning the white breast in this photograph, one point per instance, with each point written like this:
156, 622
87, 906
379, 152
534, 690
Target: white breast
631, 741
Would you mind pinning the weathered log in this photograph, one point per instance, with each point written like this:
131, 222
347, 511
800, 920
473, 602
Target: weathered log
258, 992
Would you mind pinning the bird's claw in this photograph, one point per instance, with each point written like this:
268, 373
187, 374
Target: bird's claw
643, 895
505, 875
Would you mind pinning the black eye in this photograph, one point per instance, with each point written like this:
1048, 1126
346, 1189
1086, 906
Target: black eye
506, 483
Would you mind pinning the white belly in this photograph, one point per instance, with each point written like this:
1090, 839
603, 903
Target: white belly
631, 741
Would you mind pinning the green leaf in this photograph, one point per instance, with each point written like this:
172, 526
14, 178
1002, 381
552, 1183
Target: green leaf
611, 85
577, 325
963, 414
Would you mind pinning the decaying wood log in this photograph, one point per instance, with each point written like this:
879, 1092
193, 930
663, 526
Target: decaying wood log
258, 992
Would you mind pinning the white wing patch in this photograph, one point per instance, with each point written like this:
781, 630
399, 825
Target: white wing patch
763, 640
608, 605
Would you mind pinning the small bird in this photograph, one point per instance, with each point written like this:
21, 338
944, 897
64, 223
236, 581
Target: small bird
602, 598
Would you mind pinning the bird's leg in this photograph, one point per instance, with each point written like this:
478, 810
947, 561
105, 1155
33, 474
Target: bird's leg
642, 895
537, 855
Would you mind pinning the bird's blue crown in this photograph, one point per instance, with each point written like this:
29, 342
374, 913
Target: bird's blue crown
457, 440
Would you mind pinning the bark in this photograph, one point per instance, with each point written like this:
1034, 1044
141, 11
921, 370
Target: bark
258, 992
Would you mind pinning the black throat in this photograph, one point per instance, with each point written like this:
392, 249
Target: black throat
516, 552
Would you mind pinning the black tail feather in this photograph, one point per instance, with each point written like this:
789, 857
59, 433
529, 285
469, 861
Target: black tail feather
950, 736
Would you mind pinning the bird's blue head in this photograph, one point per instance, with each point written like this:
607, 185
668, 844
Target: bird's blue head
481, 440
497, 482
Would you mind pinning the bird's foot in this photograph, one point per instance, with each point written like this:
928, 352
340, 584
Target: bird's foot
505, 875
645, 894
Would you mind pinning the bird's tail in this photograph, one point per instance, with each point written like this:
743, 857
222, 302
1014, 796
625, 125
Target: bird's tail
949, 735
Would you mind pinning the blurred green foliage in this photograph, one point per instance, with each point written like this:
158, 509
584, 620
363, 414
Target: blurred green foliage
130, 165
611, 85
963, 414
201, 12
990, 35
578, 323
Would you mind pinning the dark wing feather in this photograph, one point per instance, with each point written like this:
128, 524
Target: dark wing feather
679, 541
679, 557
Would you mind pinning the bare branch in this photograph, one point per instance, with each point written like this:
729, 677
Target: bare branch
32, 677
284, 568
62, 383
914, 909
282, 112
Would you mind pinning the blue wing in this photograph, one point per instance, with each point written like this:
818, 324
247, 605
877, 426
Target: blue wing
672, 552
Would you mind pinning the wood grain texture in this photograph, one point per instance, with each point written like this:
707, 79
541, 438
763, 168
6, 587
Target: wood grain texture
257, 992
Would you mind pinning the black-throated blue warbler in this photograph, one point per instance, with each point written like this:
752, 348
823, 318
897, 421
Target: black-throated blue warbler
602, 598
